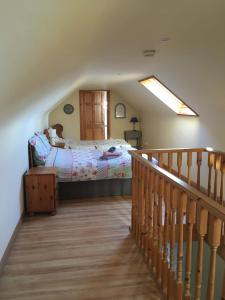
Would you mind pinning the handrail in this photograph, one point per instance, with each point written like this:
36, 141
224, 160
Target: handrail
170, 150
170, 211
204, 200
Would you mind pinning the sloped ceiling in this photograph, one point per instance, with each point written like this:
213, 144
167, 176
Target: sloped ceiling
50, 47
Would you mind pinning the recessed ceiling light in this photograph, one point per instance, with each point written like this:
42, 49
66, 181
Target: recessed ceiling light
149, 52
165, 39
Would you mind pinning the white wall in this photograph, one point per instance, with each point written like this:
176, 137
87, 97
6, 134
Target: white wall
169, 131
13, 163
163, 130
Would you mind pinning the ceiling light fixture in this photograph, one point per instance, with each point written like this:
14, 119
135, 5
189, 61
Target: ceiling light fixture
165, 39
149, 52
167, 97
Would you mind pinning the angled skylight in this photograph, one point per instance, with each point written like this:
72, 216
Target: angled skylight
167, 97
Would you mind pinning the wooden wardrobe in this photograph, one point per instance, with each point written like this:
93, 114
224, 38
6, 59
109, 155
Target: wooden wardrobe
94, 115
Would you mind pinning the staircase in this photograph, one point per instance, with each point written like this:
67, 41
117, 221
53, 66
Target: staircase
178, 217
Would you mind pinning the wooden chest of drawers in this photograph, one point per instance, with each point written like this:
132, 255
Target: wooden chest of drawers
41, 190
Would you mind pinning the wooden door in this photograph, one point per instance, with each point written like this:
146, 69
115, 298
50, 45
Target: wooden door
94, 115
86, 116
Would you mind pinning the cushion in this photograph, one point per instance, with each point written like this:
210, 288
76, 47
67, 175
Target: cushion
40, 149
44, 140
38, 161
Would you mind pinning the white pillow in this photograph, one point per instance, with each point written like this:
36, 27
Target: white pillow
44, 140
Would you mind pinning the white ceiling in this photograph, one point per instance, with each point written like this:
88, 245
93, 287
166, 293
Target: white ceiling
50, 47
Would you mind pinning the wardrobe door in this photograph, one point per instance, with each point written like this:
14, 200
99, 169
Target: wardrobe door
86, 115
99, 115
93, 115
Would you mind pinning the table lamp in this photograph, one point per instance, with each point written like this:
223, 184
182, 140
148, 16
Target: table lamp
134, 120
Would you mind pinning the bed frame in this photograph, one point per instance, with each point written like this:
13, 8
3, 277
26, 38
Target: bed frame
88, 189
94, 188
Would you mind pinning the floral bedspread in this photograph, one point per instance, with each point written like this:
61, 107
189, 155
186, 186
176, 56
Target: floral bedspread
85, 164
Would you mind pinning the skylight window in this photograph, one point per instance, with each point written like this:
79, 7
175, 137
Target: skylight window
167, 97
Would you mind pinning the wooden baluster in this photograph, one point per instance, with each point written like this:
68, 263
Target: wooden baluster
171, 291
211, 159
179, 163
137, 184
166, 239
160, 159
142, 210
181, 211
150, 157
146, 211
138, 200
189, 165
214, 238
155, 226
150, 217
160, 229
133, 195
191, 219
202, 219
170, 161
216, 168
222, 170
199, 163
223, 291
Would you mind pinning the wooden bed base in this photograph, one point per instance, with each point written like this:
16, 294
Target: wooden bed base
94, 188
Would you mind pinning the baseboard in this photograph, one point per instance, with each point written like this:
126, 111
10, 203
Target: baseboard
5, 256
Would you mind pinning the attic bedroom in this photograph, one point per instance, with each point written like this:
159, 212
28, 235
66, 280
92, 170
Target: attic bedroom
112, 149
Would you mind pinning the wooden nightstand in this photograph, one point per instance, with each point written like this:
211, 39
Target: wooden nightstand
41, 190
133, 135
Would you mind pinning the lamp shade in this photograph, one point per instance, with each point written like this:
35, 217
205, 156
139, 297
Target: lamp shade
134, 120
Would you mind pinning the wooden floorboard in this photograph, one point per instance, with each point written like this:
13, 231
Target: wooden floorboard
84, 252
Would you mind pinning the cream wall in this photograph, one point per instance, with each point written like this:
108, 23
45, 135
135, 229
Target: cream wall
172, 131
14, 162
163, 131
119, 125
71, 123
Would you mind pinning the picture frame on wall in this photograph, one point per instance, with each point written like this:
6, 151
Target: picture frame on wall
68, 109
120, 111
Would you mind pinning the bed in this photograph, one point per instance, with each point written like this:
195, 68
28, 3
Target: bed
80, 144
81, 171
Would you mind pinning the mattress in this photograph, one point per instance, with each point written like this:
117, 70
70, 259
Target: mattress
85, 164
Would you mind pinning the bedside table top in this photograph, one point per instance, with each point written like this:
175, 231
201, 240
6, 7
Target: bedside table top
42, 171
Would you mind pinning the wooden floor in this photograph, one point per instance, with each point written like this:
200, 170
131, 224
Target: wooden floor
84, 252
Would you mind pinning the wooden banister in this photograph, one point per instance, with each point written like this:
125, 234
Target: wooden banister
169, 213
191, 191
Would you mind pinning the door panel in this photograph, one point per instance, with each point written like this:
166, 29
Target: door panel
93, 115
32, 192
46, 196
